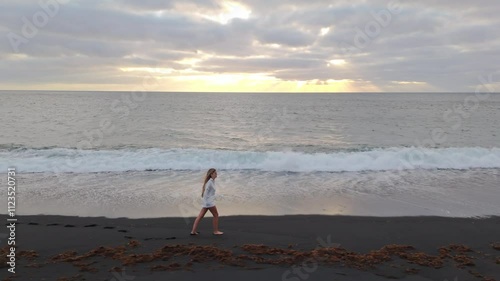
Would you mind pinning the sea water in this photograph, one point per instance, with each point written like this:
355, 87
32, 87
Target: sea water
133, 154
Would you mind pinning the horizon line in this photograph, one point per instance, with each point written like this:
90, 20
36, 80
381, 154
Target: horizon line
246, 92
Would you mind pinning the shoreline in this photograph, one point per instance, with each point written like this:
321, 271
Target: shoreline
357, 248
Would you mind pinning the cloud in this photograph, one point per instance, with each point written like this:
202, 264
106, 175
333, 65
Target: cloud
425, 45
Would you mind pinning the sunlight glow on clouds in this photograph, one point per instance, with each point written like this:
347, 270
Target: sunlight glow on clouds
337, 62
324, 31
231, 10
250, 45
149, 70
409, 82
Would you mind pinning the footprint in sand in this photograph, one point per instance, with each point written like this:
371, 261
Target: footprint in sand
168, 238
122, 230
109, 227
69, 225
32, 223
52, 224
90, 225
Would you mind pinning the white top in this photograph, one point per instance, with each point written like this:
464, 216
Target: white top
209, 194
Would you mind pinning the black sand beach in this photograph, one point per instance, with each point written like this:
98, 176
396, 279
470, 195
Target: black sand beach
295, 248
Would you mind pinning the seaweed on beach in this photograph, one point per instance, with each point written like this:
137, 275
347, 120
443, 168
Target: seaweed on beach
29, 255
77, 277
184, 256
3, 256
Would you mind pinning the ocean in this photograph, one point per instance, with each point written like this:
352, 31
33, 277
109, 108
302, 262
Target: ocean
138, 155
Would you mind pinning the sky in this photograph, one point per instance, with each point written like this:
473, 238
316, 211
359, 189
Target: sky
250, 45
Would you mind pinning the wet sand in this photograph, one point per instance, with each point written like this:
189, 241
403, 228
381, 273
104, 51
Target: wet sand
298, 247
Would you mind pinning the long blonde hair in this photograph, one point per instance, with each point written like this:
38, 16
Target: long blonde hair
207, 177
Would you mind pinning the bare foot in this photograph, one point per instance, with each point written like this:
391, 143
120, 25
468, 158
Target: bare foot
218, 233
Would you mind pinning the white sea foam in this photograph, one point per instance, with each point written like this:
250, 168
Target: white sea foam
400, 158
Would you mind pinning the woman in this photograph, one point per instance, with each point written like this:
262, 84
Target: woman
208, 195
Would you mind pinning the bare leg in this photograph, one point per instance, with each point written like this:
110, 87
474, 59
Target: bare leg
214, 212
198, 219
